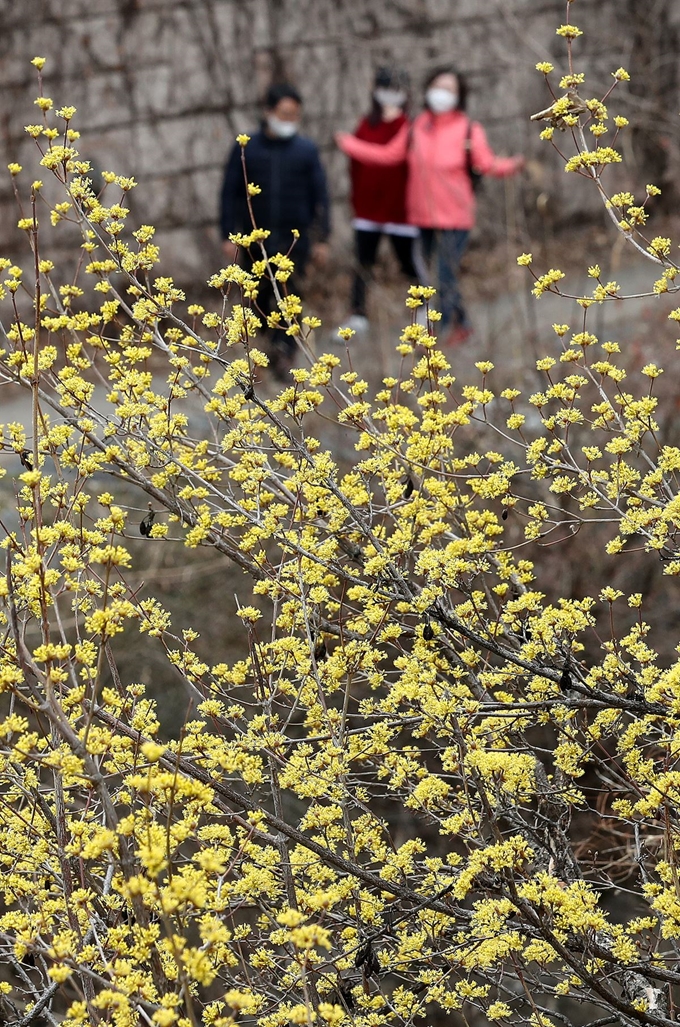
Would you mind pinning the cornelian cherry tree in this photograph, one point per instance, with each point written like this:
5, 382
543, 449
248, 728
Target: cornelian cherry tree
370, 818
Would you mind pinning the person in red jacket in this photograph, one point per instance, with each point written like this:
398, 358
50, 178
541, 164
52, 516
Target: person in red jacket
379, 193
442, 149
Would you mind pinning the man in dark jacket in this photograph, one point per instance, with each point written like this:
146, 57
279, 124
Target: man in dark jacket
287, 168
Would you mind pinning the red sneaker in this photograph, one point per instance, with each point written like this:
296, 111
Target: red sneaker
457, 336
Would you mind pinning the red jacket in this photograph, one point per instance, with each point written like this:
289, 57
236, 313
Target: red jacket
439, 191
379, 193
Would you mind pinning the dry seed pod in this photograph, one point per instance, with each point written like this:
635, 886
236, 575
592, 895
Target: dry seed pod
145, 526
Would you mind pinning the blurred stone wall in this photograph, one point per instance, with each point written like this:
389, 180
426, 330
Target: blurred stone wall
163, 86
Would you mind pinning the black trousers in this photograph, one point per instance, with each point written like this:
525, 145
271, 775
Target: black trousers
279, 242
366, 249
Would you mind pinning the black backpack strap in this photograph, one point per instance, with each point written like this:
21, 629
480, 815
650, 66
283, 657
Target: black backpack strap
475, 176
468, 147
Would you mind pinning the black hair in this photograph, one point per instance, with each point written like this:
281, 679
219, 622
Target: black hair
389, 77
449, 69
281, 91
386, 77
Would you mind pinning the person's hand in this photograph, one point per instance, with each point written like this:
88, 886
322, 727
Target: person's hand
321, 253
339, 139
520, 163
230, 251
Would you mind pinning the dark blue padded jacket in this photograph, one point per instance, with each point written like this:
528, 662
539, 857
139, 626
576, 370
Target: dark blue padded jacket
293, 183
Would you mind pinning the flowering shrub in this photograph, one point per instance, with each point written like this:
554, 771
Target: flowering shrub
404, 670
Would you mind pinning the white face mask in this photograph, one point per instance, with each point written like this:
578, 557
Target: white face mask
441, 100
281, 129
390, 97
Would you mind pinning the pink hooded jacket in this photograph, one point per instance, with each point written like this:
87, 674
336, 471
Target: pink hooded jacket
439, 192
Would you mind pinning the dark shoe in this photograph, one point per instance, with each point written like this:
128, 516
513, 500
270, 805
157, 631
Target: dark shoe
457, 336
280, 365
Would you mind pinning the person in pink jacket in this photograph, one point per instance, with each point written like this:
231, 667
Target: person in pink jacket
442, 148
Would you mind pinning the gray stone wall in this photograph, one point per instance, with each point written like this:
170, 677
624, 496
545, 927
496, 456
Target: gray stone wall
163, 86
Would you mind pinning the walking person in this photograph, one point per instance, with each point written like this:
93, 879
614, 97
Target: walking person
293, 197
379, 191
443, 150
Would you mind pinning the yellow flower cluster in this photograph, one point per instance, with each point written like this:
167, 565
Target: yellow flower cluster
367, 818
